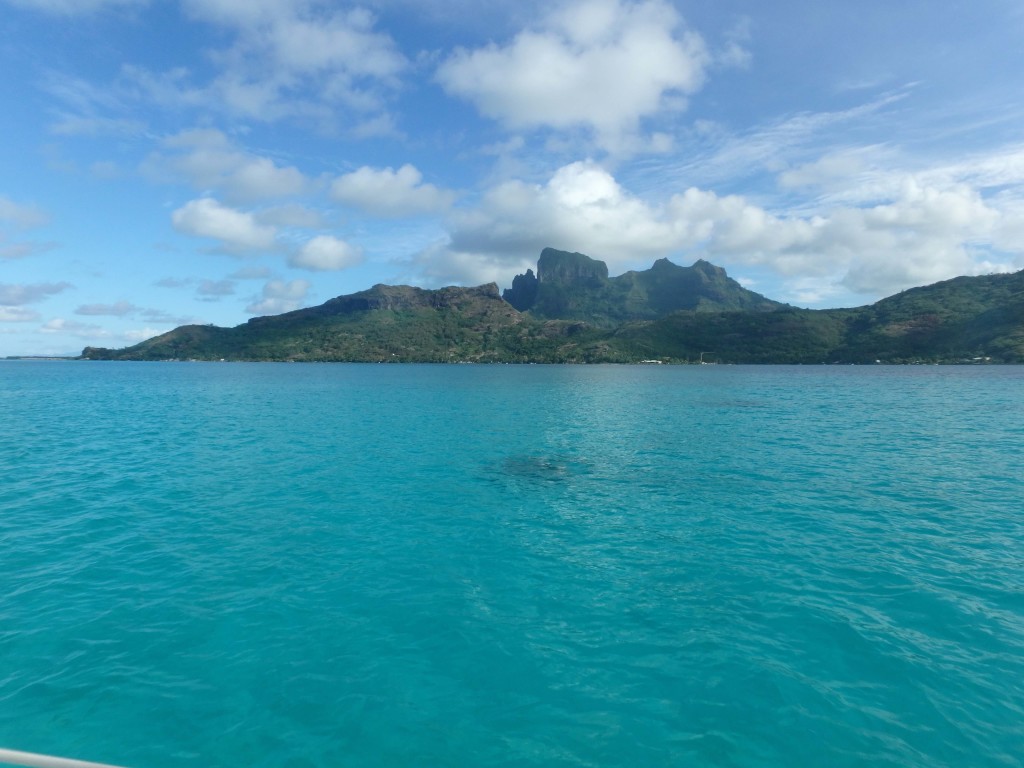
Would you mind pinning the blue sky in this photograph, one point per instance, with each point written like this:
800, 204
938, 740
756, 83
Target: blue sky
174, 161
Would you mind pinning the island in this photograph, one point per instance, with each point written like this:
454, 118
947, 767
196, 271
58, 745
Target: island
571, 311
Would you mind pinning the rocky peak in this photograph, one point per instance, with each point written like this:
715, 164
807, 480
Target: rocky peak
556, 266
523, 292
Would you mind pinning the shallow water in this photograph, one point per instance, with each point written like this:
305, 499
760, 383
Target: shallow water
323, 565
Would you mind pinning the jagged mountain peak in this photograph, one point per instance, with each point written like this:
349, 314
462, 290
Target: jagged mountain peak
574, 286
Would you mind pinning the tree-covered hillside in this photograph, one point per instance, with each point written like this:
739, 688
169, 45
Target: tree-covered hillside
573, 312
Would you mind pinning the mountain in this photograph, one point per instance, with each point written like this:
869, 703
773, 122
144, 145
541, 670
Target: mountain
960, 319
384, 323
571, 286
963, 320
571, 311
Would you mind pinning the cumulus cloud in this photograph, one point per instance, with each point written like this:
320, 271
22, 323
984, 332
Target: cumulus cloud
208, 159
581, 207
390, 193
325, 253
603, 65
237, 231
279, 296
920, 234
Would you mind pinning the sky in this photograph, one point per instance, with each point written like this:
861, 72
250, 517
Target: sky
165, 162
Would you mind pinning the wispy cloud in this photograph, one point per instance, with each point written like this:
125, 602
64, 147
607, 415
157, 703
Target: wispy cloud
20, 294
718, 156
119, 309
74, 7
20, 215
209, 161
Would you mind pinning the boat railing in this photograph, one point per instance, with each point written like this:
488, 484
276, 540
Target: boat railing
33, 760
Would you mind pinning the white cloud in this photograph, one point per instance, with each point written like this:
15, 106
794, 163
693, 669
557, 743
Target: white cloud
73, 7
280, 296
390, 193
237, 231
325, 253
603, 65
441, 264
717, 158
581, 207
342, 44
304, 60
920, 234
300, 58
209, 160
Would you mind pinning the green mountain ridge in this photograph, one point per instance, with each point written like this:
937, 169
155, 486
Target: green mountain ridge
572, 286
572, 312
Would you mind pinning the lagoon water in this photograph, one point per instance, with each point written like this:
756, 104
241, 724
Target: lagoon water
355, 565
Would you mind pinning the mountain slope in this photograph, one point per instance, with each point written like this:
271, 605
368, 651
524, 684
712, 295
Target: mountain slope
668, 313
959, 319
399, 323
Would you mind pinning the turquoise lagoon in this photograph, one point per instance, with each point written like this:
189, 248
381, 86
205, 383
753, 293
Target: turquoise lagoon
359, 565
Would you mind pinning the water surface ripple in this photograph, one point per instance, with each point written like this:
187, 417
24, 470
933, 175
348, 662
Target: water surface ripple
345, 565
